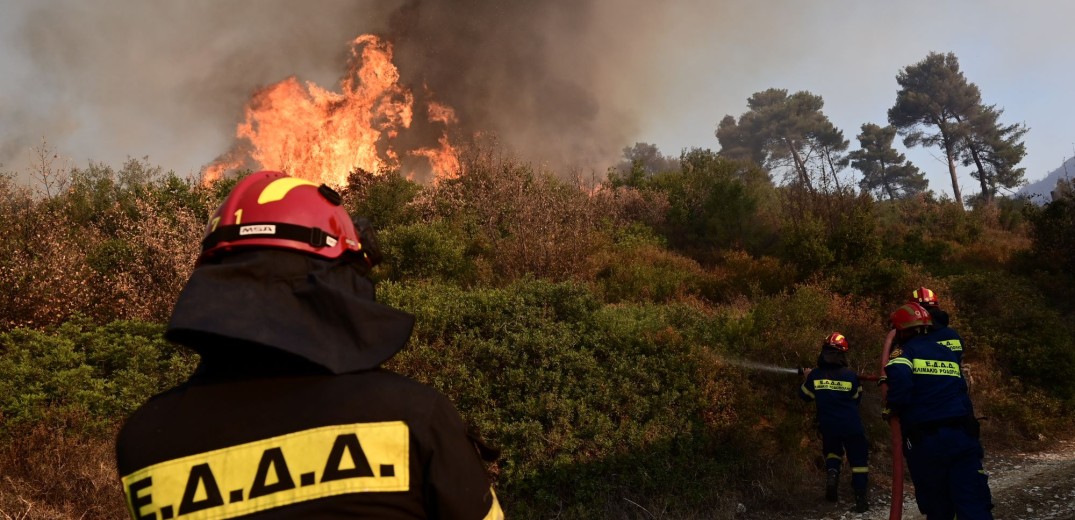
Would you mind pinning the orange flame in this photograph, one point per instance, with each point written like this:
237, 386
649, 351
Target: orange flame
323, 136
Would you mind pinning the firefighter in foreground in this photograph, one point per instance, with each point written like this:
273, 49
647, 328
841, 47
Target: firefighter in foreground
926, 390
288, 414
837, 391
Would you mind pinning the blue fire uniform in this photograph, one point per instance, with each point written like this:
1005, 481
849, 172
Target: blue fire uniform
940, 332
927, 391
837, 391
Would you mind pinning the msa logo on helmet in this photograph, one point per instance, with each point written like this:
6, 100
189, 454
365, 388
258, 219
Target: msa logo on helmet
275, 472
257, 229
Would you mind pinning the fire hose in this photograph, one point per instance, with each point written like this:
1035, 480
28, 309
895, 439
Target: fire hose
896, 509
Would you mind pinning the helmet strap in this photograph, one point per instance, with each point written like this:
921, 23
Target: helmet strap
315, 237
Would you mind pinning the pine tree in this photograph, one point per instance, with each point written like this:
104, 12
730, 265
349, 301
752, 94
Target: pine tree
885, 171
781, 131
935, 94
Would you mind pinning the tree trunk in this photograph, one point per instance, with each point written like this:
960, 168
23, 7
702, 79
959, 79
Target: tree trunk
832, 168
987, 192
800, 167
950, 154
884, 181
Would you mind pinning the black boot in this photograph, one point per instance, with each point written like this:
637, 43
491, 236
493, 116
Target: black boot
861, 503
832, 481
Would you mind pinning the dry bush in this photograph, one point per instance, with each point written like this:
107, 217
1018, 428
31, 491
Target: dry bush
114, 245
47, 473
738, 274
995, 250
524, 221
162, 247
42, 265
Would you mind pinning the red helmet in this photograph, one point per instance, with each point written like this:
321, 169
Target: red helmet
837, 341
925, 297
273, 210
910, 315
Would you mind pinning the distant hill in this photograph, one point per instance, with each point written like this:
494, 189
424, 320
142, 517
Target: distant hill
1040, 191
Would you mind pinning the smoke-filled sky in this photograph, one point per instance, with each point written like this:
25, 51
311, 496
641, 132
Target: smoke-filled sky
562, 81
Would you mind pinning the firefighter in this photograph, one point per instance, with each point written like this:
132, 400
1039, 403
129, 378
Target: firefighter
926, 390
939, 329
837, 391
288, 414
929, 301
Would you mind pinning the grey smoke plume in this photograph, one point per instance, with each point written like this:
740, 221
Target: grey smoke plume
527, 72
108, 79
169, 80
561, 81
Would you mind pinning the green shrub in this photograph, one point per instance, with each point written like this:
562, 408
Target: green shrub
422, 251
638, 272
101, 373
571, 389
1031, 339
1053, 235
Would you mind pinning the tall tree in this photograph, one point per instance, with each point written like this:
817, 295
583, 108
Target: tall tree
995, 150
885, 171
784, 132
935, 94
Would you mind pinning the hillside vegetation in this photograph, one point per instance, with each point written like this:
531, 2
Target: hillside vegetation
589, 331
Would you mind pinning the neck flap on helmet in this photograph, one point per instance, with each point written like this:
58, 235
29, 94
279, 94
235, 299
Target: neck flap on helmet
320, 310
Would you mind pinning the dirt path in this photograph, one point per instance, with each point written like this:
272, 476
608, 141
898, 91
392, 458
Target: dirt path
1025, 486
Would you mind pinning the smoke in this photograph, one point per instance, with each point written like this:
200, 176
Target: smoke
168, 80
109, 79
528, 72
564, 82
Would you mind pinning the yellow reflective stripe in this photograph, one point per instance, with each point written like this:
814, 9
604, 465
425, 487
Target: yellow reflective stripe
933, 367
831, 384
269, 473
495, 513
807, 391
953, 344
278, 189
899, 361
860, 469
834, 456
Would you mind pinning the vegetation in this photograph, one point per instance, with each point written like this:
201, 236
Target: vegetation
595, 334
934, 93
885, 172
786, 132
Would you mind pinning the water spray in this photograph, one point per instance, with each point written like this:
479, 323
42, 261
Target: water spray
762, 366
801, 371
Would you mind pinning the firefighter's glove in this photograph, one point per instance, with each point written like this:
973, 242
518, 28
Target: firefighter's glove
883, 380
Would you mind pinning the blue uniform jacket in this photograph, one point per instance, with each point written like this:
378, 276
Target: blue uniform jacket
925, 382
945, 335
836, 390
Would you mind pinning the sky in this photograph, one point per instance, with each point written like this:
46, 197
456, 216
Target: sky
562, 81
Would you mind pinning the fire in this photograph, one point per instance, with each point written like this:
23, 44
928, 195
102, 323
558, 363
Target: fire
321, 135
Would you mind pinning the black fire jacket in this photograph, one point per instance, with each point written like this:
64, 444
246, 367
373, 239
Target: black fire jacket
275, 426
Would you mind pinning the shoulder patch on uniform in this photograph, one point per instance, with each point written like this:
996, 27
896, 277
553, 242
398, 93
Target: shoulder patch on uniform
896, 352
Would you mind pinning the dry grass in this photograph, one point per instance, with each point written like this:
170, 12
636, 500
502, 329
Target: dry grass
49, 474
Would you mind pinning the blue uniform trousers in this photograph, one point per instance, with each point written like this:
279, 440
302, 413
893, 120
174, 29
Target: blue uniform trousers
857, 449
946, 468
